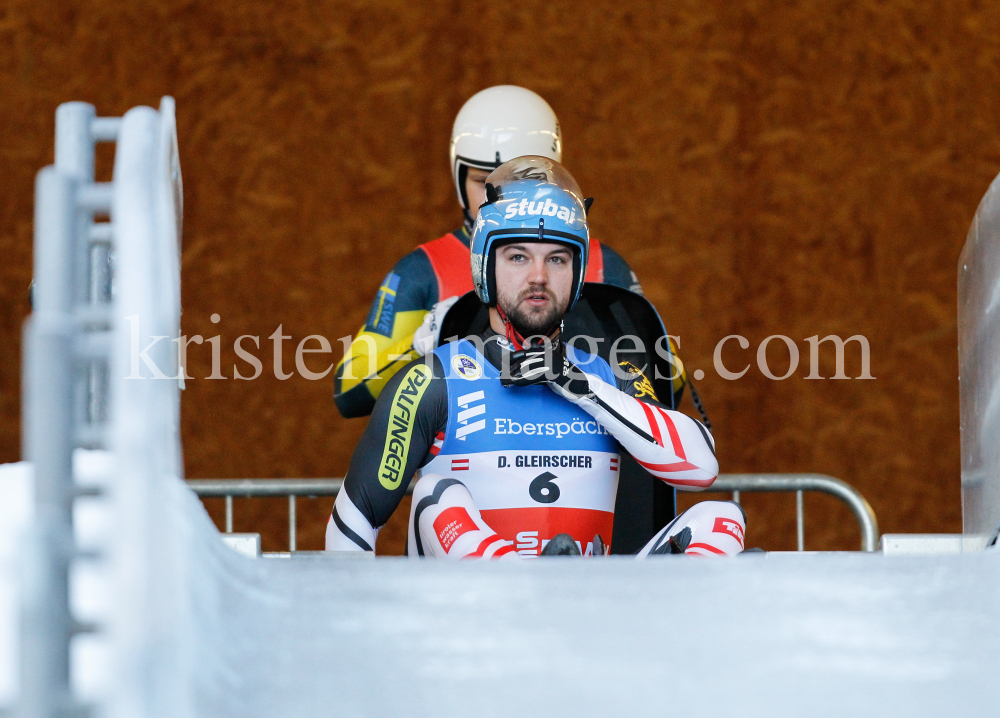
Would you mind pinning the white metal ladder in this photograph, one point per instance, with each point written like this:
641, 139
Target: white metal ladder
72, 348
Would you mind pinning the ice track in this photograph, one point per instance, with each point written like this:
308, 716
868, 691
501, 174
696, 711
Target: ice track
829, 635
775, 635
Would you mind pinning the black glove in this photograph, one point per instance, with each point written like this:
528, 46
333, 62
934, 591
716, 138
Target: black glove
534, 365
547, 365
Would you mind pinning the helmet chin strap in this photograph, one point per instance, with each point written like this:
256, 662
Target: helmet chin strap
515, 337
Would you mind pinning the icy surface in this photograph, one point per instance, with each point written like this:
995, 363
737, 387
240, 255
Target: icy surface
775, 635
781, 635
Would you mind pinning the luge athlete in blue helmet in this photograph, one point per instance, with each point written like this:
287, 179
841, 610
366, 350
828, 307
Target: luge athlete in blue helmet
516, 436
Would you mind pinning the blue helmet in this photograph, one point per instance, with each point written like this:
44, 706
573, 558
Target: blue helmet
529, 199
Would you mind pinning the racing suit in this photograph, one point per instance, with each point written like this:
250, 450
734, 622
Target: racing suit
431, 273
505, 469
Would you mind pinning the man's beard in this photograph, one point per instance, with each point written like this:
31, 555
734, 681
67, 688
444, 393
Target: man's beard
528, 320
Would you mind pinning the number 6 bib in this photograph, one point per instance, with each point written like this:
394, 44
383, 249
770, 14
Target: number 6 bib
535, 464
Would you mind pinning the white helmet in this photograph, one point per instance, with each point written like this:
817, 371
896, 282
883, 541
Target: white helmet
496, 125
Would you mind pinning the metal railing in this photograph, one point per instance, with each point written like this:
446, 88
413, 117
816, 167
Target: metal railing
258, 488
859, 506
735, 483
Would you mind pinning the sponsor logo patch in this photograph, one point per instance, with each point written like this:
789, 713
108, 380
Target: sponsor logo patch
556, 429
530, 529
548, 208
642, 387
451, 524
383, 311
729, 526
401, 415
466, 367
469, 410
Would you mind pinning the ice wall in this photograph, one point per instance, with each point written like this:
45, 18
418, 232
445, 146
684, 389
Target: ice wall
979, 366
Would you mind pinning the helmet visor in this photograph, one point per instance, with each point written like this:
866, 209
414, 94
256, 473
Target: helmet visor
536, 168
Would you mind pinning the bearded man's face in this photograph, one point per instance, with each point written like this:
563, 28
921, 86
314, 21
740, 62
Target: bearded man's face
534, 281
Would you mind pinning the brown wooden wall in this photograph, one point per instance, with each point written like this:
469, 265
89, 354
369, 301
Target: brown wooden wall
794, 168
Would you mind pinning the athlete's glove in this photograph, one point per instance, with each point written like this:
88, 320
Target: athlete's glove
533, 365
425, 339
547, 365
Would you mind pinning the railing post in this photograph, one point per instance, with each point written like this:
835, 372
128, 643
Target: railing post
291, 522
800, 526
65, 379
74, 141
229, 513
47, 376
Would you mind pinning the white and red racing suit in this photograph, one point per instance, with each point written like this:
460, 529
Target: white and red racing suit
504, 469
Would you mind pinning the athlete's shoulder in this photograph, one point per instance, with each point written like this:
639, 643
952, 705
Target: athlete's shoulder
414, 266
448, 259
633, 381
410, 286
419, 388
617, 271
590, 363
452, 241
414, 284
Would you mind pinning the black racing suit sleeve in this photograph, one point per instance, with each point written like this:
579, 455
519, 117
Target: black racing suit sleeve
401, 431
633, 381
617, 271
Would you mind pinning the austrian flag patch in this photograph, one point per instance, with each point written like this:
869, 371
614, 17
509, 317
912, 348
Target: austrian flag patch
459, 464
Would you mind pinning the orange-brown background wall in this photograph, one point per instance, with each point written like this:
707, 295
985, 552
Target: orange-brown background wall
794, 168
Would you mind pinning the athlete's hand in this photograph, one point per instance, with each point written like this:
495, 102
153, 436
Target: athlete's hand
545, 364
425, 339
533, 365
